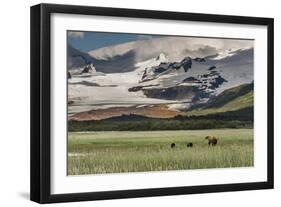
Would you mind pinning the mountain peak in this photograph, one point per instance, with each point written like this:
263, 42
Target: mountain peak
162, 57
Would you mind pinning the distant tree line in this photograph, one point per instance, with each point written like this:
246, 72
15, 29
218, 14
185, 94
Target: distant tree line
149, 125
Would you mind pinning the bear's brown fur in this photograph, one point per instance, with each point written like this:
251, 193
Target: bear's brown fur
190, 144
212, 140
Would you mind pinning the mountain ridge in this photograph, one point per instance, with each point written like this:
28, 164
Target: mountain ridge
232, 99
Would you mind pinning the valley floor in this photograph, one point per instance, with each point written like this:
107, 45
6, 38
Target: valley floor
140, 151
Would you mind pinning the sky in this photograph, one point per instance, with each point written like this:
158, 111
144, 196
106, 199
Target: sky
87, 41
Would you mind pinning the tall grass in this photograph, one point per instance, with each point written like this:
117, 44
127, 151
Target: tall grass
116, 152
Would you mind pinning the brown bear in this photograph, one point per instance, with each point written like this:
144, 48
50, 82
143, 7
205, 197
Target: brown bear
173, 145
212, 140
190, 144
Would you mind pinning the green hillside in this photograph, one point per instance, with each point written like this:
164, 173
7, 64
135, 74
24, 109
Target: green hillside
232, 99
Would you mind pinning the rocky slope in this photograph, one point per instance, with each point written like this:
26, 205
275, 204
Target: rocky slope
185, 87
239, 98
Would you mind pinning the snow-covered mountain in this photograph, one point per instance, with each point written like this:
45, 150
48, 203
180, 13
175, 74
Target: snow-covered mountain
124, 57
161, 71
105, 90
163, 68
159, 81
173, 81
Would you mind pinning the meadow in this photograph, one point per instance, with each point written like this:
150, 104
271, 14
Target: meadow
140, 151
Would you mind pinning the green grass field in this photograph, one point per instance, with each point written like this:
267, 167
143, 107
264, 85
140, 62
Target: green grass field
139, 151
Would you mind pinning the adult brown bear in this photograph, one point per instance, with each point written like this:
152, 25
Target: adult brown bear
190, 144
212, 140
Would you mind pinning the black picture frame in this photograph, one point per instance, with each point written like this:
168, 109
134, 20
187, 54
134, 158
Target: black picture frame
41, 102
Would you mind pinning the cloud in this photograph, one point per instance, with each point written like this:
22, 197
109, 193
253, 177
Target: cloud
176, 48
144, 37
76, 34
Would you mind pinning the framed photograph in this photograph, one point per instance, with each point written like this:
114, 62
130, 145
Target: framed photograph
133, 103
